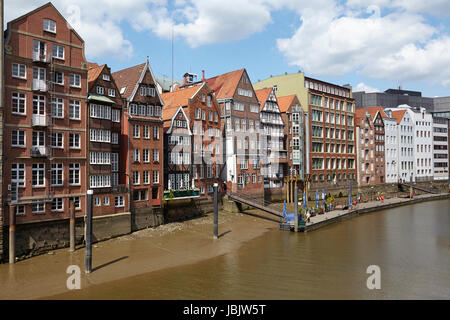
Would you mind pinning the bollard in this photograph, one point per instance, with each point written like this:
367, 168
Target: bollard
72, 226
89, 231
12, 234
296, 209
216, 211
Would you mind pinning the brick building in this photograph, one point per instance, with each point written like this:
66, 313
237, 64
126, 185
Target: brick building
370, 145
241, 125
142, 137
45, 116
272, 141
104, 126
331, 134
192, 112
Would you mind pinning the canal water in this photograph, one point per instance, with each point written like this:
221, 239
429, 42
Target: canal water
410, 244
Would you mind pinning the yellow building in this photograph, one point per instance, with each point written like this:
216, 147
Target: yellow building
287, 84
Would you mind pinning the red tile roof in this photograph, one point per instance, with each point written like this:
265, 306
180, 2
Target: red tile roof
94, 71
179, 97
263, 95
226, 84
398, 115
128, 78
284, 103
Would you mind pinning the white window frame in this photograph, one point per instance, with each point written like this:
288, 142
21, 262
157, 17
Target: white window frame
57, 108
74, 174
75, 80
57, 169
74, 109
18, 134
21, 99
74, 141
55, 78
21, 69
49, 25
119, 202
56, 48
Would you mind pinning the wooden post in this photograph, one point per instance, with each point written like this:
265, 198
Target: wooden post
296, 209
12, 234
88, 259
216, 211
72, 226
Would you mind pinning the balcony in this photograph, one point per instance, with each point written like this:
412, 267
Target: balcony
40, 151
40, 85
38, 57
40, 120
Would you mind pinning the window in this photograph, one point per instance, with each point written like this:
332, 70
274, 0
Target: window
155, 176
38, 139
74, 140
57, 174
106, 201
75, 80
18, 174
18, 138
135, 177
58, 77
146, 132
20, 210
145, 177
146, 155
208, 101
58, 52
115, 115
111, 92
119, 202
18, 103
19, 71
97, 202
57, 108
100, 90
57, 140
136, 131
37, 206
74, 110
49, 25
136, 155
74, 174
115, 138
100, 181
106, 77
155, 155
38, 175
155, 133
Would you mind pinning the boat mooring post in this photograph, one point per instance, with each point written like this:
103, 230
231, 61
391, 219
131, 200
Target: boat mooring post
72, 226
88, 259
296, 209
12, 234
216, 211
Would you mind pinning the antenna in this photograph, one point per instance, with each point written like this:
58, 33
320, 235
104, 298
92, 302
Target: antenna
172, 60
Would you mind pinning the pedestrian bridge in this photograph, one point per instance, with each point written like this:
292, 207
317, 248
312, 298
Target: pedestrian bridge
262, 205
418, 188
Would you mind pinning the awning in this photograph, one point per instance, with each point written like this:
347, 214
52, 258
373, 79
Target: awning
100, 98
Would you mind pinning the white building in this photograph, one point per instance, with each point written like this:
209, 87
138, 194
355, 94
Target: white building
405, 143
440, 148
391, 149
419, 123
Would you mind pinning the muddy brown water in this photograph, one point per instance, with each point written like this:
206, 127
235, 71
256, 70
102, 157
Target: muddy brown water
410, 244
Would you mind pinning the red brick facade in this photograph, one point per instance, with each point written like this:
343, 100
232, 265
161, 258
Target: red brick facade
45, 116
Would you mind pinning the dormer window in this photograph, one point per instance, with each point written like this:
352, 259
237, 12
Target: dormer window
100, 90
49, 25
106, 77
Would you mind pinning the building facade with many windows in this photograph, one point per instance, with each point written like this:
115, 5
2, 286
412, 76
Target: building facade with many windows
194, 143
142, 136
45, 116
440, 148
330, 134
105, 106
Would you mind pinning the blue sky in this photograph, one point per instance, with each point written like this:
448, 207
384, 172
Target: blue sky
371, 44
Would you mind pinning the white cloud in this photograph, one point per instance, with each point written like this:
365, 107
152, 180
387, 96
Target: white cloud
364, 87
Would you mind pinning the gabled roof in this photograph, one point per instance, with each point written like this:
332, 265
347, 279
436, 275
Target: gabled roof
398, 115
373, 111
94, 71
168, 115
179, 97
42, 7
284, 103
226, 84
128, 78
263, 95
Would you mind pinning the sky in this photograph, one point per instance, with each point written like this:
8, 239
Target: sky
372, 45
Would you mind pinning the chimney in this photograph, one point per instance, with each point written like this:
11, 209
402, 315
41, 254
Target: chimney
184, 79
203, 75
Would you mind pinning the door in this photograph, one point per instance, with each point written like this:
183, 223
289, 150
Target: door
39, 49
